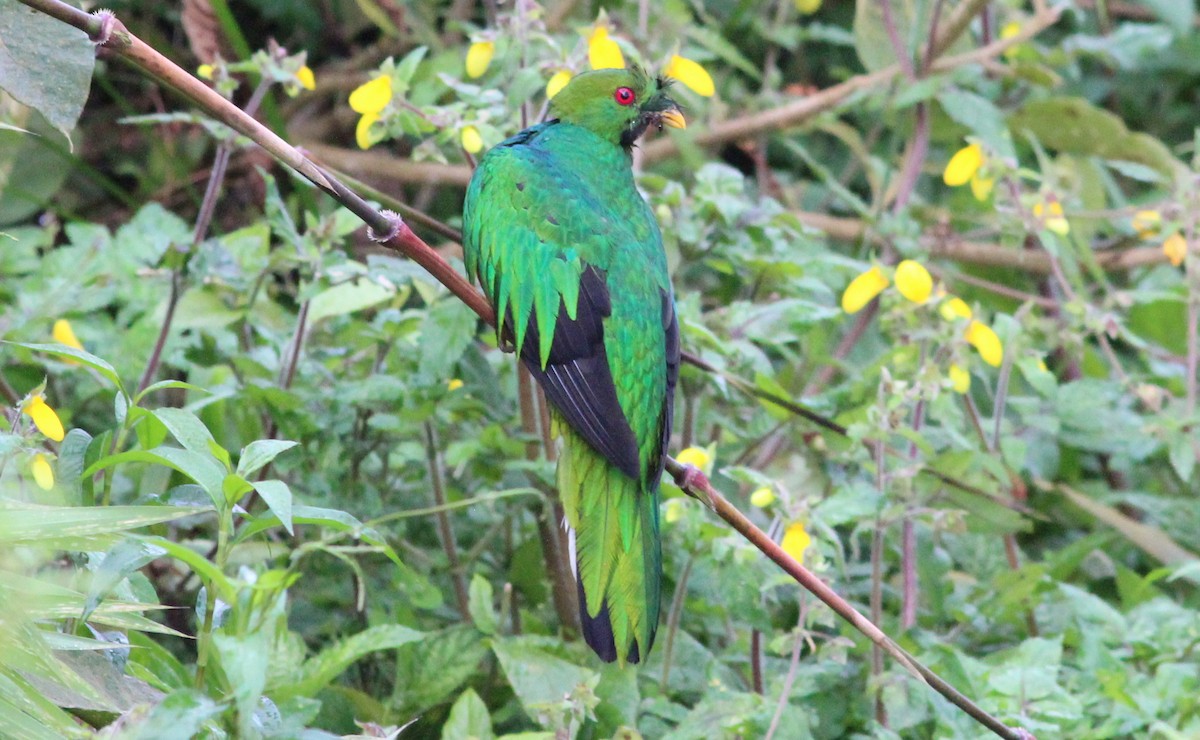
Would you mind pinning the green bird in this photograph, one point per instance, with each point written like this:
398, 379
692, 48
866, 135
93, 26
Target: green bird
571, 258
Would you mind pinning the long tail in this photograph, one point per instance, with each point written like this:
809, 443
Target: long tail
616, 553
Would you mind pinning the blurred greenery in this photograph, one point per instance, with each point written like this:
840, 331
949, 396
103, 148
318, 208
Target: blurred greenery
243, 531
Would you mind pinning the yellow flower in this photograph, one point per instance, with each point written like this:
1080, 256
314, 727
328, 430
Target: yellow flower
913, 281
674, 510
43, 417
557, 82
762, 497
1010, 29
963, 166
981, 187
479, 56
362, 132
306, 78
1175, 247
373, 96
454, 384
808, 7
697, 456
603, 52
954, 308
960, 379
1147, 223
1051, 214
471, 140
796, 541
43, 474
204, 71
981, 337
862, 289
691, 74
63, 334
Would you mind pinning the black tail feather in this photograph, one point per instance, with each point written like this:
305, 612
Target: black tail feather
598, 632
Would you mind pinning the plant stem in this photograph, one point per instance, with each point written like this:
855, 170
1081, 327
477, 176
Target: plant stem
445, 531
673, 617
696, 485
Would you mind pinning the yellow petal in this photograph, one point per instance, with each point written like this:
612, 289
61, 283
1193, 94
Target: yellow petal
862, 289
1175, 247
960, 379
691, 74
963, 165
697, 456
955, 308
63, 334
204, 71
43, 474
372, 97
762, 497
471, 140
1146, 223
479, 56
454, 384
913, 281
674, 510
362, 132
1010, 29
557, 82
1051, 213
981, 337
808, 7
306, 78
44, 418
603, 52
796, 541
981, 187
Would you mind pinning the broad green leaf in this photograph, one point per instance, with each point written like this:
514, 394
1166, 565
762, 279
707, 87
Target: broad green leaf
120, 561
278, 497
537, 677
327, 665
447, 330
260, 452
209, 573
469, 719
201, 468
347, 298
429, 671
244, 660
235, 486
80, 356
45, 63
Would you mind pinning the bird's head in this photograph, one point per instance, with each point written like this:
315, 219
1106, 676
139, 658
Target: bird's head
617, 104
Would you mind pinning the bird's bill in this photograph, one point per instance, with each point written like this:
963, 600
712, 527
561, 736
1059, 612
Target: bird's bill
673, 118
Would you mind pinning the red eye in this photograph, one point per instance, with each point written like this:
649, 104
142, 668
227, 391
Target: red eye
624, 96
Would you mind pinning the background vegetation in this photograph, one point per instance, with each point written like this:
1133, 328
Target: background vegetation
293, 492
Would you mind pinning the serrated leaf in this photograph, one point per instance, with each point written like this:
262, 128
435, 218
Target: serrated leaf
537, 677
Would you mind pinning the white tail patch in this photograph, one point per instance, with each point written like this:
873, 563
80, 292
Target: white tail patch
571, 548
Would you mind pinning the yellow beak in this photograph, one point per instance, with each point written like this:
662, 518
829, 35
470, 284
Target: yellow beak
674, 119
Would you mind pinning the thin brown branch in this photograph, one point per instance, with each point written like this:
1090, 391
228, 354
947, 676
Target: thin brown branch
445, 531
696, 485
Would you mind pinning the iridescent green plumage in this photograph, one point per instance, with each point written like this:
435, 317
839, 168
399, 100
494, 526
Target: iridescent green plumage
571, 257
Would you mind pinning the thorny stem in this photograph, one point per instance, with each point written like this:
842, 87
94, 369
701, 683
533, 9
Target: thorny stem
697, 486
445, 531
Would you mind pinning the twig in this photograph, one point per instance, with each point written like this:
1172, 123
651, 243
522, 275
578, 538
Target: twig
696, 485
445, 531
673, 617
793, 665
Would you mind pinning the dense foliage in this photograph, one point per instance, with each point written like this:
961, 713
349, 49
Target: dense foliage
293, 487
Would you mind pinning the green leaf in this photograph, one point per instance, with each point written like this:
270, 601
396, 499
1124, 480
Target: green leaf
45, 63
186, 428
278, 497
244, 660
201, 468
84, 358
179, 716
469, 719
123, 559
480, 604
448, 329
429, 671
235, 486
537, 677
260, 452
25, 523
347, 298
1153, 540
163, 385
318, 671
209, 573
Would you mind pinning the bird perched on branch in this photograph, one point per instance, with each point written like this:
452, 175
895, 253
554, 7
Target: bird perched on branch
571, 258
